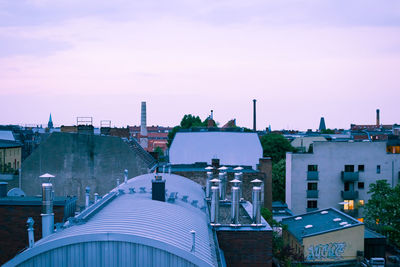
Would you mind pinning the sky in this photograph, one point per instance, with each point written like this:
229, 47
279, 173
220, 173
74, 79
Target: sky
300, 59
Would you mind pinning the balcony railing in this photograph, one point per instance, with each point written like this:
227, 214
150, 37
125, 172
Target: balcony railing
349, 195
312, 175
350, 176
312, 193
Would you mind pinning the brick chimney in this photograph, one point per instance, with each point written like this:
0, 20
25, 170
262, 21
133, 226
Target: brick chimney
265, 168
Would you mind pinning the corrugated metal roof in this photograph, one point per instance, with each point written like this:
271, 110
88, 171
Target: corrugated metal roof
232, 148
138, 218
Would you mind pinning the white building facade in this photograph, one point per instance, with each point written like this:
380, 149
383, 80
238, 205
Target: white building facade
338, 175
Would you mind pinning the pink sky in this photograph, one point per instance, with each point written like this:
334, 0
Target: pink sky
300, 59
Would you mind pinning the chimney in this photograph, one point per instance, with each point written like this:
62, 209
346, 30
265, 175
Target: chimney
158, 188
87, 196
143, 126
3, 189
239, 176
235, 202
378, 123
215, 165
47, 209
212, 114
31, 237
215, 205
254, 115
125, 176
256, 198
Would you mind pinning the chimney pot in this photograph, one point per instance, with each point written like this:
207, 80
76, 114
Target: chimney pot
256, 197
215, 205
158, 188
47, 209
31, 237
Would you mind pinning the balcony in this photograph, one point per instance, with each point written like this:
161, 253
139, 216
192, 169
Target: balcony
312, 193
349, 195
312, 175
350, 176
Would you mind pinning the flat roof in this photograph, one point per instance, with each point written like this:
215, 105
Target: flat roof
319, 222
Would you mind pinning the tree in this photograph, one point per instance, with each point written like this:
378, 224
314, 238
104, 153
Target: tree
278, 181
383, 209
328, 131
160, 153
275, 146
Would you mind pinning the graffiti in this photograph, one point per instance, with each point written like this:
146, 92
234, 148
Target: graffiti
327, 251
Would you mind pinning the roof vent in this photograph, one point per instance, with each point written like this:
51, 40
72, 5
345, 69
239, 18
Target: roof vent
324, 212
298, 218
343, 223
185, 198
194, 203
142, 189
346, 225
132, 190
308, 226
337, 220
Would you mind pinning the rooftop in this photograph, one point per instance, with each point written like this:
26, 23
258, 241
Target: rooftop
9, 144
318, 222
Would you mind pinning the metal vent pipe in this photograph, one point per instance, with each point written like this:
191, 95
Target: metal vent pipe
47, 209
87, 196
222, 185
235, 205
31, 237
96, 197
215, 205
208, 184
239, 176
125, 176
256, 197
193, 232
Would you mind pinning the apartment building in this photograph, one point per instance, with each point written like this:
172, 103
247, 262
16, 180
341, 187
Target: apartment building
338, 175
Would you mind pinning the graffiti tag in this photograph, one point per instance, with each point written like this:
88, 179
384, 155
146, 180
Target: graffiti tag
326, 251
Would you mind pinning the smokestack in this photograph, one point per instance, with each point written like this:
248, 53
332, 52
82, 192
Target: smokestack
31, 237
87, 196
378, 123
212, 114
254, 115
158, 188
215, 205
47, 209
3, 189
256, 198
143, 126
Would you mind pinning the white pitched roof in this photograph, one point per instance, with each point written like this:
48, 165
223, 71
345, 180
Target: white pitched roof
232, 148
7, 135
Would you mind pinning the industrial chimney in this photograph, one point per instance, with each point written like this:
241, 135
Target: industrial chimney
143, 127
254, 115
378, 123
47, 209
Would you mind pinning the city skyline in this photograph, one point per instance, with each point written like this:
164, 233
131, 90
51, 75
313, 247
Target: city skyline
301, 60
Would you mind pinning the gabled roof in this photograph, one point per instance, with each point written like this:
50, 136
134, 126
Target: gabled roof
232, 148
136, 218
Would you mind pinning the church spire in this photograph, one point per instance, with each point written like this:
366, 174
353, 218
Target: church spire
50, 123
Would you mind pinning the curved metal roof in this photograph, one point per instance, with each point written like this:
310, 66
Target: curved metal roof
135, 217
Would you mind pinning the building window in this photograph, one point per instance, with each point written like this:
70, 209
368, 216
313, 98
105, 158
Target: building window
360, 168
349, 168
311, 204
361, 220
361, 185
361, 202
378, 168
312, 186
348, 205
312, 168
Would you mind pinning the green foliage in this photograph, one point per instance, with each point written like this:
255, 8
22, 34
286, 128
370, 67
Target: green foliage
275, 146
328, 131
383, 210
278, 180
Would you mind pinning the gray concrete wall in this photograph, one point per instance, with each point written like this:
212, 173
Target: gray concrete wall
331, 157
80, 160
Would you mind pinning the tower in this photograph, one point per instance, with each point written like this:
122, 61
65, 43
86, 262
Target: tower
322, 126
50, 123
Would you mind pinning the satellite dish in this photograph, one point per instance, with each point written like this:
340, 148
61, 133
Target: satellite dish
16, 192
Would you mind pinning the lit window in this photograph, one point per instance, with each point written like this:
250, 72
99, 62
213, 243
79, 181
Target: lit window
361, 220
348, 205
361, 202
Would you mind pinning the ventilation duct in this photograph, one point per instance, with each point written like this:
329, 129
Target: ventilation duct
47, 209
